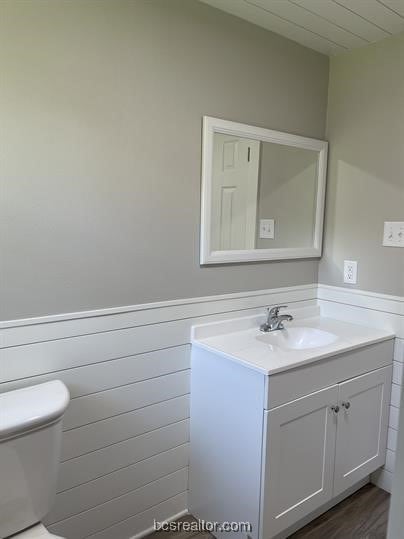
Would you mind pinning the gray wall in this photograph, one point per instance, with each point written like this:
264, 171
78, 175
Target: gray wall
101, 112
288, 194
365, 129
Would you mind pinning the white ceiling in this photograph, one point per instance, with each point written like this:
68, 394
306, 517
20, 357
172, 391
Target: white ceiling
328, 26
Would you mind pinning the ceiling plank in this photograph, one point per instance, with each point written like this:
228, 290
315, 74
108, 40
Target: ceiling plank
266, 20
340, 16
304, 18
395, 5
327, 26
376, 13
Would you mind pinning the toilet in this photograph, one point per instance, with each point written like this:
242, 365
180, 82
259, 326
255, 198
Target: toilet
30, 444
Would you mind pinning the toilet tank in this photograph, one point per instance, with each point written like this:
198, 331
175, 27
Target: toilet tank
30, 443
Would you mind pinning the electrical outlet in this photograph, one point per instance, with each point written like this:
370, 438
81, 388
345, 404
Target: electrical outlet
393, 235
267, 229
350, 271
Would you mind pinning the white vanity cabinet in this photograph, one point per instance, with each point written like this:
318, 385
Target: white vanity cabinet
318, 446
275, 450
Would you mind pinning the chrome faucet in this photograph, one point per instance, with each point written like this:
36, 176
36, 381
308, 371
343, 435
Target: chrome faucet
274, 321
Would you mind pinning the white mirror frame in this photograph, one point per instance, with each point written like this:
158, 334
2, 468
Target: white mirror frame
215, 125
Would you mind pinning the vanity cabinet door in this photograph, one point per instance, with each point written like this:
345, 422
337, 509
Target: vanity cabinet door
362, 427
299, 442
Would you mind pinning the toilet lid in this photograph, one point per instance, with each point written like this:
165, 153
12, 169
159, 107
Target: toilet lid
32, 407
36, 532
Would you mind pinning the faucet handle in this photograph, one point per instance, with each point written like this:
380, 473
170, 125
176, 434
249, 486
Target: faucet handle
275, 310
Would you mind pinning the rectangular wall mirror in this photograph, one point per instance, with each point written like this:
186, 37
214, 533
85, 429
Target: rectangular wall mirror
262, 194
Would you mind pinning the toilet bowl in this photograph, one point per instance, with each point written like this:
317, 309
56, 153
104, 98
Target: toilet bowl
30, 445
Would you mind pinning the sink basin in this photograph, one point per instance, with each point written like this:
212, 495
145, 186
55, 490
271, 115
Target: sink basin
298, 338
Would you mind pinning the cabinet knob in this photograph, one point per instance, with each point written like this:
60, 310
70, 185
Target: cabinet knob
346, 405
335, 409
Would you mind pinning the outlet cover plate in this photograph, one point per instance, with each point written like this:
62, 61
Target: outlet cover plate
350, 271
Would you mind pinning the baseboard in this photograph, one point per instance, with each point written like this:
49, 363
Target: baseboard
151, 530
383, 479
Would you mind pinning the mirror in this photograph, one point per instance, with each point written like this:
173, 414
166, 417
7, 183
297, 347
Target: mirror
262, 194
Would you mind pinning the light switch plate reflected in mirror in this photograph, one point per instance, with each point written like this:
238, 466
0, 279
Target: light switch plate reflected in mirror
267, 229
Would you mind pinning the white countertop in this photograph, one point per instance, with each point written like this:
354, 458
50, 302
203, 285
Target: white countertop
241, 340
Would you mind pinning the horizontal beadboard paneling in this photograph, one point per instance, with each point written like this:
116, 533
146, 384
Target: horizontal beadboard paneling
392, 439
141, 524
127, 426
399, 350
115, 484
18, 332
365, 308
52, 356
396, 395
87, 467
362, 298
393, 417
112, 402
123, 507
397, 373
109, 431
390, 460
111, 374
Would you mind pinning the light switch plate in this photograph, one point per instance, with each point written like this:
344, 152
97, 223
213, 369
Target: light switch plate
267, 229
393, 235
350, 271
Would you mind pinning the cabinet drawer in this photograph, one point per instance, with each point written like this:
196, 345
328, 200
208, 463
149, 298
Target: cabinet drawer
292, 384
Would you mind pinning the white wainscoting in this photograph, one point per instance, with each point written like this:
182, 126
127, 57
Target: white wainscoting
126, 431
378, 310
